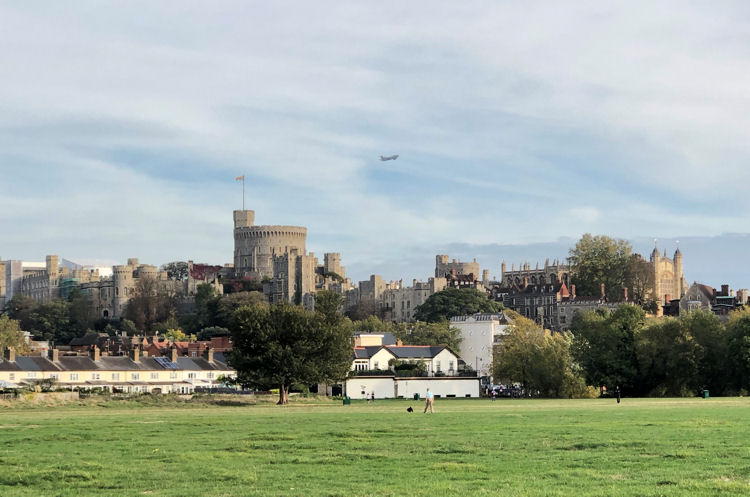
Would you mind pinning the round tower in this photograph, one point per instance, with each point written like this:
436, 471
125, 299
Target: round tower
122, 278
678, 276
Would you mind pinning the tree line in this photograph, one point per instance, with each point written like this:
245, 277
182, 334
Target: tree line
643, 356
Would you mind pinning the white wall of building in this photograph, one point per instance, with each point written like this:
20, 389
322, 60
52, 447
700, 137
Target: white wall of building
389, 387
444, 387
478, 339
382, 386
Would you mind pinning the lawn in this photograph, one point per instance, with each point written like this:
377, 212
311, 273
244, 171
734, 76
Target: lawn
467, 448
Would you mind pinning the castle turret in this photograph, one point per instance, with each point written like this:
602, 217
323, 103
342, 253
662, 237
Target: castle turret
678, 276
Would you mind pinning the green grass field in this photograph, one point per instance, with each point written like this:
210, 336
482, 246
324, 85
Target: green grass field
468, 447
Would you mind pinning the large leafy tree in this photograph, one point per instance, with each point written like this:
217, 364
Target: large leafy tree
282, 345
604, 345
710, 334
229, 303
12, 336
454, 302
669, 358
597, 260
539, 361
177, 270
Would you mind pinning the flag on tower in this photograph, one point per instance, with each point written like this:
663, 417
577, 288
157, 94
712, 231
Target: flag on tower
240, 178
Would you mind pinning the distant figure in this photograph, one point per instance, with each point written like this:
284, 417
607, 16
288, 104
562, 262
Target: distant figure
617, 393
492, 395
409, 409
372, 395
388, 157
429, 401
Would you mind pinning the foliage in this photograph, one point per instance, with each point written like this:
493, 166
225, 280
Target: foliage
363, 309
150, 305
329, 303
539, 361
597, 260
128, 327
206, 305
370, 324
177, 335
12, 336
738, 333
451, 302
419, 333
669, 358
213, 331
282, 345
604, 345
233, 301
177, 270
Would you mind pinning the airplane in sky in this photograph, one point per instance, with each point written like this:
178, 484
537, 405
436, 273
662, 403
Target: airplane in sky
388, 157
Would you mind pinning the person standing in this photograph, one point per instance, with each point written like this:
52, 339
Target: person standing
617, 393
429, 401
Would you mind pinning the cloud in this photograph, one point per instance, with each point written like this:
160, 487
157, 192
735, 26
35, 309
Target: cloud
122, 128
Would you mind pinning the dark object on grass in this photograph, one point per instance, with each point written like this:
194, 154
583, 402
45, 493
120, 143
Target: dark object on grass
409, 409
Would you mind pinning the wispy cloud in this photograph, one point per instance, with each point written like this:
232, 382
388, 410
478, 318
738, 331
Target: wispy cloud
122, 128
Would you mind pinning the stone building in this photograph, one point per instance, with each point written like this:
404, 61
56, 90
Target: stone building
481, 333
444, 266
293, 278
53, 281
669, 281
373, 288
256, 246
399, 302
549, 274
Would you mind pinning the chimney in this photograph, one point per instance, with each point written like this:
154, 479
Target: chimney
525, 281
625, 294
725, 290
94, 353
604, 294
399, 343
135, 354
357, 341
210, 354
10, 354
173, 351
573, 290
54, 355
145, 353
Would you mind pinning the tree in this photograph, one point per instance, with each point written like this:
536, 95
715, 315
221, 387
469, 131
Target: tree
371, 324
597, 260
669, 358
738, 331
712, 338
604, 345
150, 305
212, 331
12, 336
20, 309
52, 322
283, 345
451, 302
177, 335
206, 305
639, 279
538, 360
419, 333
329, 303
364, 309
233, 301
81, 313
177, 270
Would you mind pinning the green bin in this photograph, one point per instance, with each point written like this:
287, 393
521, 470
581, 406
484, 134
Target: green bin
416, 396
705, 394
347, 401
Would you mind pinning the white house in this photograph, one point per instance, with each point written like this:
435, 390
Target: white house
372, 373
480, 333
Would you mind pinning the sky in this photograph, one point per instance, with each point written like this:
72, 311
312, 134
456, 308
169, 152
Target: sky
519, 127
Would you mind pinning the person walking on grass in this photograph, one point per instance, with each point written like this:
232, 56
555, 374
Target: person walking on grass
429, 401
617, 393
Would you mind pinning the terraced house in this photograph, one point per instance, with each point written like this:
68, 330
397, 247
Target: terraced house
134, 373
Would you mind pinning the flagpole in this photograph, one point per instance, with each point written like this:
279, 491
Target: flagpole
243, 192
